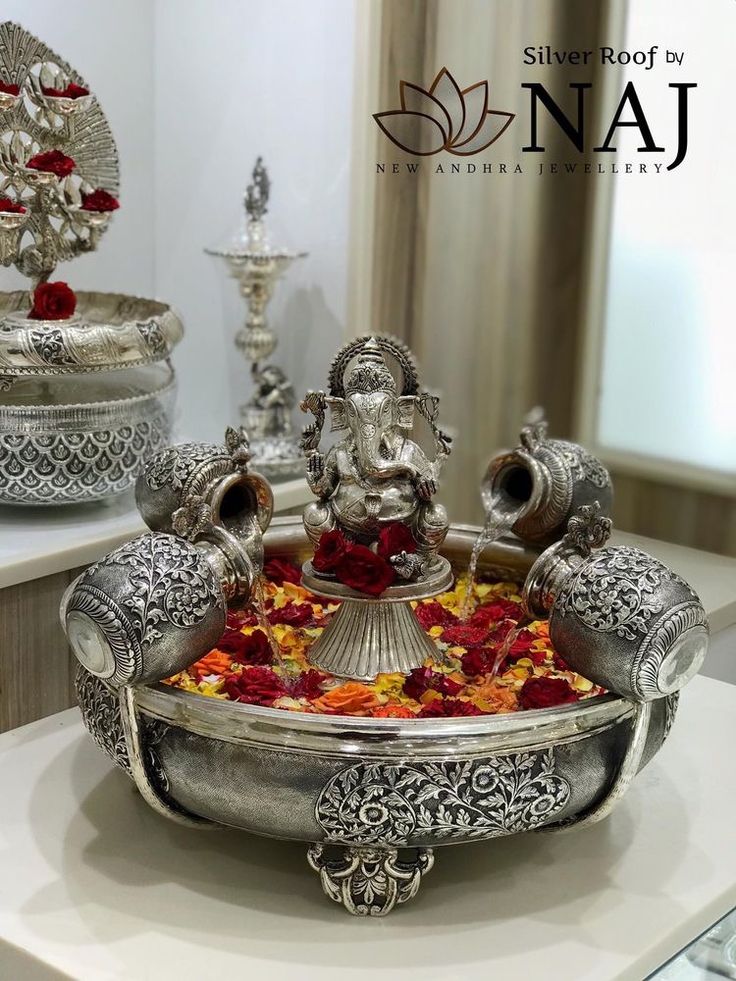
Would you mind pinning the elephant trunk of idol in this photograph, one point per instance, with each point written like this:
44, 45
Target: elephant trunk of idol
369, 443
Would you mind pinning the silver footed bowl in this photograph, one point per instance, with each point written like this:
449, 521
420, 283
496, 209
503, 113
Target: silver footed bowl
374, 797
108, 330
72, 439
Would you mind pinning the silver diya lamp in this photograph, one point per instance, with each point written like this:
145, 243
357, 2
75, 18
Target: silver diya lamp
373, 799
87, 389
257, 266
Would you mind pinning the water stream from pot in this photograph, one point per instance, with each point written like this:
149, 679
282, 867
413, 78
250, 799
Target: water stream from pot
259, 603
505, 500
508, 642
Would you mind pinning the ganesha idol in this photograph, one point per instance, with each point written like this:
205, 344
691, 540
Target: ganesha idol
374, 491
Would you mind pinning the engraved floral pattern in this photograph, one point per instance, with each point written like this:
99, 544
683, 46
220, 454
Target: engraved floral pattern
371, 803
173, 467
169, 586
583, 466
615, 592
101, 715
51, 346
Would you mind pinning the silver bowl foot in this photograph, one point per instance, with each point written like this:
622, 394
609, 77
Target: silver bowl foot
369, 881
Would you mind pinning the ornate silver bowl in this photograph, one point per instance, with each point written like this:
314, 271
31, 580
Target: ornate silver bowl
71, 438
374, 797
109, 330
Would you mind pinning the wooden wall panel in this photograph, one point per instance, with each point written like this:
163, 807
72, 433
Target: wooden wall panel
36, 665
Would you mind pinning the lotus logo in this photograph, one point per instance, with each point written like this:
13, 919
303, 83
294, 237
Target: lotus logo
444, 118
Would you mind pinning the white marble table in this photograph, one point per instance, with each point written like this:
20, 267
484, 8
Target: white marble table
94, 885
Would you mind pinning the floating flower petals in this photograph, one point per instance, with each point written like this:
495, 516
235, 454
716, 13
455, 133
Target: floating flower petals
532, 676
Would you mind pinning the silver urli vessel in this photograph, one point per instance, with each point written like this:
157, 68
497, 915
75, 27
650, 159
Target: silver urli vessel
373, 798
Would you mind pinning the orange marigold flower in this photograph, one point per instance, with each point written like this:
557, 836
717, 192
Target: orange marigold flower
495, 698
393, 712
351, 698
215, 662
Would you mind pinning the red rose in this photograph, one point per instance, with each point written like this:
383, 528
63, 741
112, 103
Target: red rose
9, 89
434, 614
255, 686
9, 207
363, 570
292, 614
522, 642
331, 548
241, 618
53, 301
395, 538
251, 648
279, 571
464, 635
72, 91
478, 661
539, 693
52, 162
309, 684
99, 200
495, 612
420, 680
448, 707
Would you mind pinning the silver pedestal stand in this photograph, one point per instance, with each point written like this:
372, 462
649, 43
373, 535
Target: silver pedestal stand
257, 267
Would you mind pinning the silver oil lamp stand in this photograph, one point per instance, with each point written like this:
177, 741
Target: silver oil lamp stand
257, 267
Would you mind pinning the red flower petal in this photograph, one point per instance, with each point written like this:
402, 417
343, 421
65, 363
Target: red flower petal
395, 538
100, 201
434, 614
464, 635
363, 570
251, 648
421, 680
255, 686
448, 708
52, 162
539, 693
331, 548
279, 571
53, 301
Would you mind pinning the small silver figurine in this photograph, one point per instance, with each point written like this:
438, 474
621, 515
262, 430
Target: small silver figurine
257, 267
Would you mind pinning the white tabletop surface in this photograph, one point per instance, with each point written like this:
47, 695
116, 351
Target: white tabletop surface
41, 541
95, 885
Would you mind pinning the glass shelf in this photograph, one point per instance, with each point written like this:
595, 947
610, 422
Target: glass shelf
710, 956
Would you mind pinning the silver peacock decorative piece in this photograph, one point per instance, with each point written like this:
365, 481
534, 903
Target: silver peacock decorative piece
257, 266
373, 797
87, 386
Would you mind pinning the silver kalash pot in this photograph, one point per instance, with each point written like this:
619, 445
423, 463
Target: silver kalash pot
617, 615
373, 798
541, 484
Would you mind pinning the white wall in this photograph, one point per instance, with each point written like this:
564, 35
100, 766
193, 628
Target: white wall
194, 91
235, 79
114, 53
670, 347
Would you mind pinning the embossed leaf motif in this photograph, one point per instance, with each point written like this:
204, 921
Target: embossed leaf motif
583, 466
615, 592
174, 465
371, 803
168, 585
